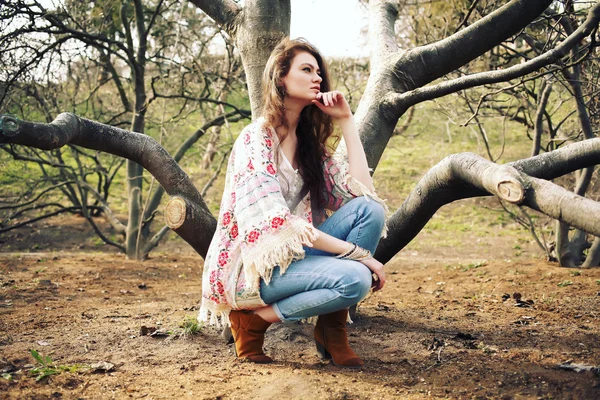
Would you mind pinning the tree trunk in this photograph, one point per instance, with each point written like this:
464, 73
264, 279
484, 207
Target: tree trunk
262, 24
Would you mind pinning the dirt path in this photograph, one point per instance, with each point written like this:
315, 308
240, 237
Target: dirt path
441, 329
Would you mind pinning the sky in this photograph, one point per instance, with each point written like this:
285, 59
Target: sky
338, 32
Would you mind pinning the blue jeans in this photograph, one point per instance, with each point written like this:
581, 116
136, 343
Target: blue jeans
320, 283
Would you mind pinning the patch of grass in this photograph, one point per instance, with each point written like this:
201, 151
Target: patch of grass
468, 267
465, 267
47, 367
188, 327
7, 376
487, 349
597, 281
547, 299
97, 241
546, 275
575, 273
191, 326
565, 283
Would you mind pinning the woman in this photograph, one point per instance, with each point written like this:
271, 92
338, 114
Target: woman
267, 262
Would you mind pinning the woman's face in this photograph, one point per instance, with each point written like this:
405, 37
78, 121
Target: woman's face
303, 81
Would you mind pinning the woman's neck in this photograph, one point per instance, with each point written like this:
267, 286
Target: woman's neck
292, 116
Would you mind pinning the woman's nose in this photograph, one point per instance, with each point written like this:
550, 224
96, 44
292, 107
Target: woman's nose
317, 78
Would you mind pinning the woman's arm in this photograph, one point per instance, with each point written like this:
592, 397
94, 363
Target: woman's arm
335, 105
357, 160
334, 245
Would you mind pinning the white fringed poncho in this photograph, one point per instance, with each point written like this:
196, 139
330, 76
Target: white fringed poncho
256, 230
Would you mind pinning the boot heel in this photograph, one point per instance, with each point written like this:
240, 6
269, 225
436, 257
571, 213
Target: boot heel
322, 351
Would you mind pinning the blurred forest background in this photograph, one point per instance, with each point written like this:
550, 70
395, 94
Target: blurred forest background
165, 69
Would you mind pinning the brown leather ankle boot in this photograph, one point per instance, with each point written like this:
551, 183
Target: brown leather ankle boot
248, 330
332, 340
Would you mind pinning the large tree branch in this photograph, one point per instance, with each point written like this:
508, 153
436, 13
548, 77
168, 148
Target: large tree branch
233, 116
378, 114
459, 177
224, 12
139, 148
442, 89
437, 59
382, 38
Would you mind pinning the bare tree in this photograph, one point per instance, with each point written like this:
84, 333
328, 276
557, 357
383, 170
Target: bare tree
556, 105
140, 51
398, 80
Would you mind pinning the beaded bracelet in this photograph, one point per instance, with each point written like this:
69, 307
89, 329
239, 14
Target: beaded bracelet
356, 253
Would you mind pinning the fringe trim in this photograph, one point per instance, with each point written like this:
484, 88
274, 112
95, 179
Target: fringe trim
283, 254
217, 315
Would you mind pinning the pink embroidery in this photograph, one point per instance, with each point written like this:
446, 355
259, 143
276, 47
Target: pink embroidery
234, 231
271, 169
276, 222
223, 257
253, 236
226, 218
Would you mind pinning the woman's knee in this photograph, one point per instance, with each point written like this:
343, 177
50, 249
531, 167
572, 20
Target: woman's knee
356, 282
369, 209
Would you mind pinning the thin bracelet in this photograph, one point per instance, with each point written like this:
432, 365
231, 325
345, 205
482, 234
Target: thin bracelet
345, 254
357, 253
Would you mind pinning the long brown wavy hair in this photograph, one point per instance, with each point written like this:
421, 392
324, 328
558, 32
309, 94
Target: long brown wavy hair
314, 127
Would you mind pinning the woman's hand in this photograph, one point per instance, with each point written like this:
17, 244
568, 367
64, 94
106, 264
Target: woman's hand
333, 104
377, 268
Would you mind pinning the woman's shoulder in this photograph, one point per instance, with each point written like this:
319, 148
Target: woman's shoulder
257, 130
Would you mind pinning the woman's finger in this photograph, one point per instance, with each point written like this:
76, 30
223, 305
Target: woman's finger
380, 280
318, 104
337, 95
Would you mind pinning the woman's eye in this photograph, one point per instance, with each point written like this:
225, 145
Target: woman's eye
307, 69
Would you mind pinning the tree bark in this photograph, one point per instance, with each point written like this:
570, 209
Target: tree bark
545, 90
262, 24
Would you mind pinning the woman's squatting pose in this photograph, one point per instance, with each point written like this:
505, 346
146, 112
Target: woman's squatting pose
297, 228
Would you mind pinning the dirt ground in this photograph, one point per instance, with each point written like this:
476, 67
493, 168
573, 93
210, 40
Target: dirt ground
476, 321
